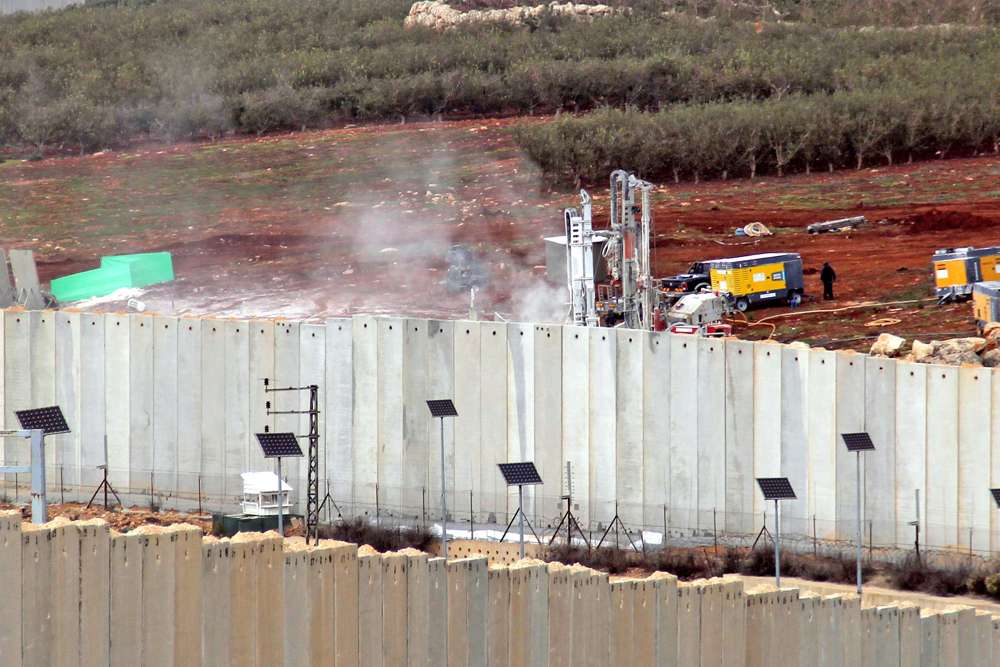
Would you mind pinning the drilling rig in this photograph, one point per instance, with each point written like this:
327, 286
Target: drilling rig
628, 296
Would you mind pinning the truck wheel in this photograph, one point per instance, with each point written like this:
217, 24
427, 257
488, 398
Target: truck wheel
742, 304
702, 287
794, 299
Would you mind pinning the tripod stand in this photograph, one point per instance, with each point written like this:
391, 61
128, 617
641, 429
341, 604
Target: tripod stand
568, 517
105, 484
616, 523
763, 533
329, 498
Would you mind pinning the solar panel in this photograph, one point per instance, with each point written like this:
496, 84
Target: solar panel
518, 474
996, 496
442, 408
49, 420
279, 444
776, 488
857, 442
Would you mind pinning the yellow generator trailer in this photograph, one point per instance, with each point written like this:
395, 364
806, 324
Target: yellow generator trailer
956, 270
986, 303
756, 279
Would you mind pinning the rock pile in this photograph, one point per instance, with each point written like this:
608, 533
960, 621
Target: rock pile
972, 351
441, 16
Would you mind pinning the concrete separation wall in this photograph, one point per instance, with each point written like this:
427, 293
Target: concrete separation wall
668, 430
167, 596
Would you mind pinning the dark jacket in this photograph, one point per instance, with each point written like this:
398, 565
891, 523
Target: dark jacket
827, 275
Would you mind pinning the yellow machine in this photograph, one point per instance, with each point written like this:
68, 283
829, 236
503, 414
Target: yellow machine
986, 303
755, 279
956, 270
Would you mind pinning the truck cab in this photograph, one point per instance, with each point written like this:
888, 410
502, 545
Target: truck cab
696, 279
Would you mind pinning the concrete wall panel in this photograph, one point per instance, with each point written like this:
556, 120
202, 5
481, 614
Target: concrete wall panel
712, 635
493, 413
337, 462
141, 399
189, 402
521, 403
683, 452
603, 425
214, 390
94, 575
911, 446
346, 590
165, 408
795, 398
441, 384
296, 582
548, 422
974, 506
930, 649
809, 630
158, 610
468, 385
850, 397
622, 629
739, 419
239, 434
188, 594
909, 637
767, 417
261, 341
126, 600
287, 373
656, 426
216, 614
575, 411
10, 602
995, 462
395, 585
824, 440
370, 610
312, 371
498, 617
418, 621
880, 465
688, 625
628, 456
438, 603
17, 382
416, 420
63, 451
365, 418
117, 396
711, 432
942, 457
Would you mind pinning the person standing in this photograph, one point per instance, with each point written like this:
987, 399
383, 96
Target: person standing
828, 276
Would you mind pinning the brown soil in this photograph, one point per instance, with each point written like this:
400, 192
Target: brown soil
121, 520
357, 220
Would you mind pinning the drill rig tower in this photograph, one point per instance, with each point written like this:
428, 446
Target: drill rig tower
580, 263
627, 252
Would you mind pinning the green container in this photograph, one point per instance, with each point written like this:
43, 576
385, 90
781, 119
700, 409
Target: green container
116, 272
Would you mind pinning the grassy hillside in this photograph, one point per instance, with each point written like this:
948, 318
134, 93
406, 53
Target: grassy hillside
94, 77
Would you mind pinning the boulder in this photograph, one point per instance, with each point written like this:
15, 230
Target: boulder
955, 352
922, 350
991, 358
888, 345
442, 16
991, 332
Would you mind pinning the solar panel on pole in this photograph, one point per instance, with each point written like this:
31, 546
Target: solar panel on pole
441, 408
520, 474
276, 445
48, 420
857, 442
776, 488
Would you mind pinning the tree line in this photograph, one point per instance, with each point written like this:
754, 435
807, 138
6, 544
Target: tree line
91, 77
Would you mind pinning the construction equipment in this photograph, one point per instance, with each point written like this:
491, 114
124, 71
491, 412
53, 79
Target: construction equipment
695, 280
956, 270
628, 294
841, 225
754, 279
701, 314
986, 303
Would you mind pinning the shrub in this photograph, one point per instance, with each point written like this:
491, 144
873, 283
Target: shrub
360, 531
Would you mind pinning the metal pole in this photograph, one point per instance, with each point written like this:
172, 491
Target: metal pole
39, 503
858, 509
520, 511
777, 546
444, 501
281, 503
